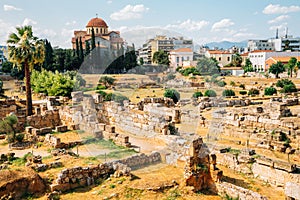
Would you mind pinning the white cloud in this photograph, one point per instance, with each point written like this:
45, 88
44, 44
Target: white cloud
277, 9
71, 23
129, 12
28, 21
242, 35
189, 25
278, 19
5, 30
67, 32
10, 8
109, 2
224, 23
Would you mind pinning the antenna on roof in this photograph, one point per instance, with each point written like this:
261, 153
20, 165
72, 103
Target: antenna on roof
286, 32
276, 34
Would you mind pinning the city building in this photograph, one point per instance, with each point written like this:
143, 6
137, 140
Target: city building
286, 43
164, 43
258, 58
223, 57
284, 60
254, 45
2, 56
182, 57
104, 38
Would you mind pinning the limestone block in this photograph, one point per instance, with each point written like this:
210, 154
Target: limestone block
61, 128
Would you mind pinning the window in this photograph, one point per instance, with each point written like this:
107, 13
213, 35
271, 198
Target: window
228, 58
219, 58
177, 59
96, 30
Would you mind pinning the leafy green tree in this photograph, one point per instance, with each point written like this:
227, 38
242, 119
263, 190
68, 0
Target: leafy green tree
210, 93
208, 66
253, 91
269, 91
228, 93
161, 57
248, 66
7, 126
276, 69
289, 88
282, 82
291, 65
197, 94
236, 60
107, 81
172, 94
24, 51
7, 67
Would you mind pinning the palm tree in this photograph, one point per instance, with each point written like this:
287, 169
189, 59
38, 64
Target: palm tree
291, 65
24, 51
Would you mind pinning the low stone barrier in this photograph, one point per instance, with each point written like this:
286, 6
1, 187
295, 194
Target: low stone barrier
236, 191
84, 176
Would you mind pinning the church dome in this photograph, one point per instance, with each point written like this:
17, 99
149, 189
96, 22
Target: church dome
97, 22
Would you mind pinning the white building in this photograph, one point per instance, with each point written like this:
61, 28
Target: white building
280, 43
223, 57
181, 57
258, 58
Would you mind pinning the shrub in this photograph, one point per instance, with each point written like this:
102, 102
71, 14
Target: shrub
170, 76
221, 83
270, 91
242, 86
119, 98
228, 93
20, 137
101, 87
282, 82
102, 93
107, 81
289, 88
173, 94
210, 93
197, 94
253, 91
243, 92
232, 83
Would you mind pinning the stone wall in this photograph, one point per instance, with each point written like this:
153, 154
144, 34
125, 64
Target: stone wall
236, 191
55, 142
292, 191
48, 118
85, 176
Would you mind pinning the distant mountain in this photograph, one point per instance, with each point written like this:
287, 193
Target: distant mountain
226, 44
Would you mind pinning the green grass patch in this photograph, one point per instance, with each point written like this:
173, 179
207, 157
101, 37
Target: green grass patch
131, 193
117, 154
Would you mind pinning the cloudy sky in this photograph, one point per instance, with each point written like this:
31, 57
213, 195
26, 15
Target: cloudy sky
201, 20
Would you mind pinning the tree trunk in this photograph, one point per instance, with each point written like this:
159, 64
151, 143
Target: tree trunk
28, 91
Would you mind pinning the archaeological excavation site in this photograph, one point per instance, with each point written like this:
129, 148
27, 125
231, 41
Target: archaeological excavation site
148, 146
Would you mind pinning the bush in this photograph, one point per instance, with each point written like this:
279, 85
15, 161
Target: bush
270, 91
289, 88
118, 98
20, 137
221, 83
243, 92
173, 94
188, 71
232, 83
170, 76
282, 82
197, 94
210, 93
102, 93
228, 93
242, 86
253, 91
107, 81
101, 87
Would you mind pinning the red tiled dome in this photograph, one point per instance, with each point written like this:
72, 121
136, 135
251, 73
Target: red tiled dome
97, 22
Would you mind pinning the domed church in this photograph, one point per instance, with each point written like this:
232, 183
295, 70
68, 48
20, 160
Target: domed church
105, 39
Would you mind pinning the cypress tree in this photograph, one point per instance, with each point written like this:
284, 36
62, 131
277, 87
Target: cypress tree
49, 56
81, 55
87, 48
77, 48
93, 43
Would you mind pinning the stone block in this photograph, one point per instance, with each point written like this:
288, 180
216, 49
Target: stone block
46, 130
28, 129
110, 129
62, 128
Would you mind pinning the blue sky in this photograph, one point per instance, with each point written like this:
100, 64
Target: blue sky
201, 20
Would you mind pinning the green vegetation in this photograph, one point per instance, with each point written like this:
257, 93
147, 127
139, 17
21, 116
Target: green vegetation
232, 83
242, 86
188, 71
221, 83
253, 91
106, 81
112, 97
55, 84
269, 91
228, 93
197, 94
161, 57
208, 66
172, 94
277, 69
236, 60
248, 66
7, 126
21, 161
292, 66
210, 93
25, 51
243, 92
286, 85
132, 193
173, 194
